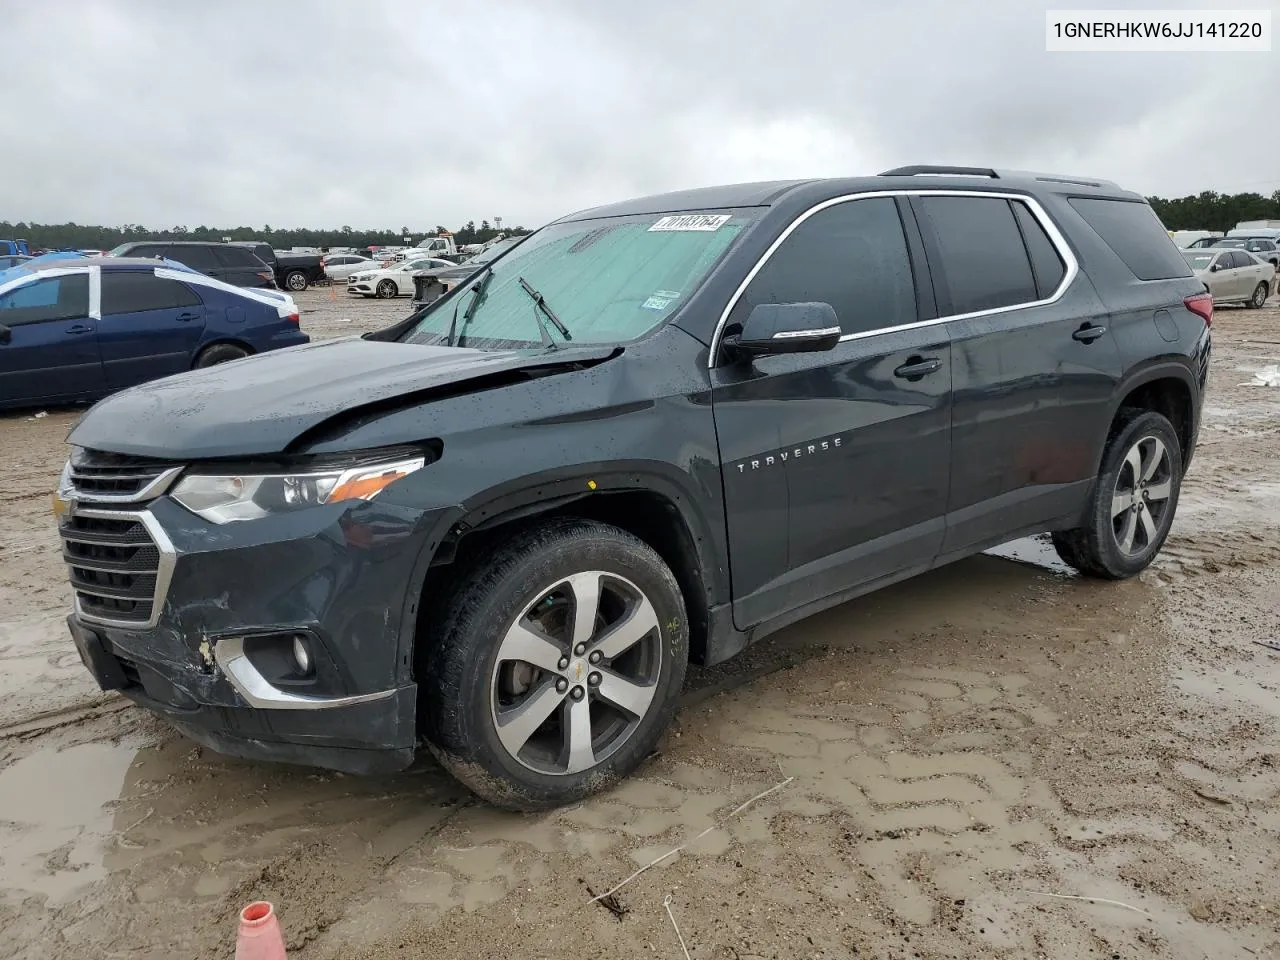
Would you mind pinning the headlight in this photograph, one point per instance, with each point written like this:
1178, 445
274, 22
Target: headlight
224, 498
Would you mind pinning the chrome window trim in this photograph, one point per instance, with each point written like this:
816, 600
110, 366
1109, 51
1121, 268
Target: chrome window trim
257, 691
816, 332
1042, 217
164, 569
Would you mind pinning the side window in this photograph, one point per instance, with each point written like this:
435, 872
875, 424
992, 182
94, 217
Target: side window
983, 257
196, 257
52, 298
853, 256
1046, 262
146, 250
232, 256
1239, 259
1135, 234
136, 291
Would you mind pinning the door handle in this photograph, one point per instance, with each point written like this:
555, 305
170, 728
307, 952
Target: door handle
1088, 333
185, 317
917, 368
80, 328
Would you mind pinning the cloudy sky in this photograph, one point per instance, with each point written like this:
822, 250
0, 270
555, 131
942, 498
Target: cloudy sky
384, 113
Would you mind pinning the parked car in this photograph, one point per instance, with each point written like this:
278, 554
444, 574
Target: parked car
222, 261
430, 284
1233, 276
653, 432
77, 330
1261, 247
1191, 238
393, 279
340, 266
292, 271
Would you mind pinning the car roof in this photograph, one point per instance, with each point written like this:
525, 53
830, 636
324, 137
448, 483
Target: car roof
771, 192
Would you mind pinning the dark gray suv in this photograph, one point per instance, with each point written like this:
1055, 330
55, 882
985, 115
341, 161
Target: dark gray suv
650, 433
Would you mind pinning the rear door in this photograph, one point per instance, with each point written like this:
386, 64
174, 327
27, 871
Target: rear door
843, 456
150, 326
48, 341
1035, 366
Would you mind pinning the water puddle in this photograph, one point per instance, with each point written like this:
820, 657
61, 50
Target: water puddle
55, 816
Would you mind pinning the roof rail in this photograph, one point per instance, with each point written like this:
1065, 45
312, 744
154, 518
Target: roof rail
941, 171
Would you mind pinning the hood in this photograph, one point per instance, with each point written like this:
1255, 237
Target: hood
264, 403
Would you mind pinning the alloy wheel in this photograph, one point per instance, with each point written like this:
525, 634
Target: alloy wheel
297, 281
1141, 495
576, 673
1260, 295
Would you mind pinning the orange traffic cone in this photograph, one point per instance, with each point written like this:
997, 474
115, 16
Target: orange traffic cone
259, 937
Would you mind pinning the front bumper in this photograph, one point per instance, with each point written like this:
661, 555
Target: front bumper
361, 286
195, 630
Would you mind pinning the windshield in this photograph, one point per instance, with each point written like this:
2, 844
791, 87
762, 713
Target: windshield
608, 281
1199, 261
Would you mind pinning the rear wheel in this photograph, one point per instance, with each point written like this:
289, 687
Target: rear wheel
557, 667
296, 280
219, 353
387, 289
1259, 296
1133, 501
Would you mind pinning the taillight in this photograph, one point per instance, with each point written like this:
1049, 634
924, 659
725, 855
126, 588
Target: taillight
1202, 306
294, 319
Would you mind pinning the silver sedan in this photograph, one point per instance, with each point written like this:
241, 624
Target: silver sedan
1233, 276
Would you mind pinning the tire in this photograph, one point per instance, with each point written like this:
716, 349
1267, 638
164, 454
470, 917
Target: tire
296, 280
219, 353
387, 289
1099, 549
476, 688
1259, 297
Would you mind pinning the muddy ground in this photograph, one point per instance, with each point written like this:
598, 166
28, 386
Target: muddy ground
961, 756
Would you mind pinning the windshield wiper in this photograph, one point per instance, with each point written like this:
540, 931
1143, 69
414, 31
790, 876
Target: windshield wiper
543, 308
477, 288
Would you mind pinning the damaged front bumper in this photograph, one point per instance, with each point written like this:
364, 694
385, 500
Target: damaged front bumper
277, 639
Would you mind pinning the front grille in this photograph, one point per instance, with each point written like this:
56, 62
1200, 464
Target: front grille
115, 476
114, 565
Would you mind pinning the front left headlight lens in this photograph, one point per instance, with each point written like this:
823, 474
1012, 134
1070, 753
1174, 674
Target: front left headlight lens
226, 498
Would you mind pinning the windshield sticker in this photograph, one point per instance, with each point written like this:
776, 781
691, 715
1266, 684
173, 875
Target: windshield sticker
693, 221
660, 300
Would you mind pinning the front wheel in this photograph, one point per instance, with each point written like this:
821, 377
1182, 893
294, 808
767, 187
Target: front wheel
1259, 296
1133, 501
557, 665
387, 289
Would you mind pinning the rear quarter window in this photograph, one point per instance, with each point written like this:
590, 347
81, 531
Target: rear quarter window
1135, 234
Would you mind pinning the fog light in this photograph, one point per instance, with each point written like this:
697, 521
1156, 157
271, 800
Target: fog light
302, 655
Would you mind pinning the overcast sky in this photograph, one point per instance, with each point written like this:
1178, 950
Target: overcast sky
385, 113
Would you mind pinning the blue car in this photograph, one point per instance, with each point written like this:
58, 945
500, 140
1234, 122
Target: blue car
77, 329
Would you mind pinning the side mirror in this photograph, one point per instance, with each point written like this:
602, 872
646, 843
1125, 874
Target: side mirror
1214, 268
5, 334
774, 328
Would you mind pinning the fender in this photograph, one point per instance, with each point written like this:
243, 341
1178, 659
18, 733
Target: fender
539, 493
1142, 375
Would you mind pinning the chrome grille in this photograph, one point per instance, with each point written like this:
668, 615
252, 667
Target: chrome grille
114, 477
118, 570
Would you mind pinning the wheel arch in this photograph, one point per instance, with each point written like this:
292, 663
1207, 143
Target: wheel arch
218, 342
1167, 388
655, 508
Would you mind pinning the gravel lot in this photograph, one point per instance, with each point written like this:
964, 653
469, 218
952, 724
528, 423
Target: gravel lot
964, 756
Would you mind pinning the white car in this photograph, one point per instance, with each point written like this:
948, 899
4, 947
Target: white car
392, 280
1233, 276
340, 266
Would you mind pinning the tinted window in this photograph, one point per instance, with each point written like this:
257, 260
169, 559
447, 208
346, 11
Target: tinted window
1239, 259
146, 250
852, 256
1046, 263
196, 257
238, 257
135, 291
53, 298
983, 257
1134, 233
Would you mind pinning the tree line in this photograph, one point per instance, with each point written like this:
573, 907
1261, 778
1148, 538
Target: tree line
1204, 211
74, 236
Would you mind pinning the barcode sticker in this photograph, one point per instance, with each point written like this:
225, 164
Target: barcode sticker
693, 221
